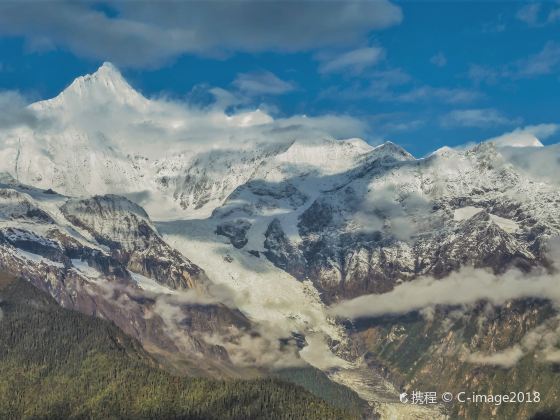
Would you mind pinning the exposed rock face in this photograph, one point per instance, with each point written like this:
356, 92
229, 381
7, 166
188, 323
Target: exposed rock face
15, 205
487, 350
89, 254
126, 229
236, 231
281, 252
395, 218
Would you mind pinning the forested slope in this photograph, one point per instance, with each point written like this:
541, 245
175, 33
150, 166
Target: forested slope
56, 363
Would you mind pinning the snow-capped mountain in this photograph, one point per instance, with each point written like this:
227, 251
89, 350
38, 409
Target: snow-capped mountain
98, 137
105, 87
389, 217
233, 252
102, 256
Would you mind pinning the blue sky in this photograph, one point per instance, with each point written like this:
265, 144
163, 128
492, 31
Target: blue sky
422, 74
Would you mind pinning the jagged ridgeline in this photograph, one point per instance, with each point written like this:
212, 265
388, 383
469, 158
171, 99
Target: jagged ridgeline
57, 363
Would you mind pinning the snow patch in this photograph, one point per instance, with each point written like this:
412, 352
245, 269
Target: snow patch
508, 225
38, 258
146, 283
84, 268
465, 213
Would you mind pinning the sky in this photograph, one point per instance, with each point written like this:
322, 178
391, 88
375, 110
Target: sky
421, 74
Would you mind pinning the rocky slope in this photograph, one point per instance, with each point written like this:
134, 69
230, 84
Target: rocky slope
394, 218
487, 350
111, 263
125, 228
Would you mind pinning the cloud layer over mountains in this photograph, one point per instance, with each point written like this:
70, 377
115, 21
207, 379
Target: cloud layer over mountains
464, 287
106, 108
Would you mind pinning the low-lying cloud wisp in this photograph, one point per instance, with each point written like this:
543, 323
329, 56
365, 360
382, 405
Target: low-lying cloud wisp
463, 287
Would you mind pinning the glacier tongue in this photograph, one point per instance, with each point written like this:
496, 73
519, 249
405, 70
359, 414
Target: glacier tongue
264, 292
273, 298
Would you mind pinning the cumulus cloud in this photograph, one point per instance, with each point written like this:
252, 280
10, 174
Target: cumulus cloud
537, 162
526, 136
262, 345
14, 112
464, 287
485, 117
318, 353
144, 34
354, 61
262, 83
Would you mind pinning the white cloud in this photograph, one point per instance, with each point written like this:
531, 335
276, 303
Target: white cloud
439, 60
486, 117
542, 131
380, 85
258, 345
526, 136
464, 287
131, 122
355, 61
505, 358
257, 350
385, 209
539, 14
262, 83
542, 340
14, 112
546, 61
538, 162
144, 34
408, 125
